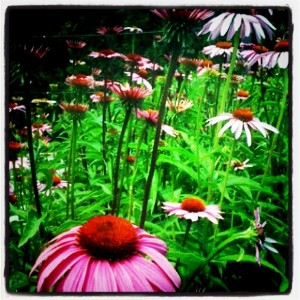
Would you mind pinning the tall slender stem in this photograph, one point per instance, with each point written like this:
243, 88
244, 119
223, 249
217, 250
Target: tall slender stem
171, 71
72, 170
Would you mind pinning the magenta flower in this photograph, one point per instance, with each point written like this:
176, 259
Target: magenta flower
40, 128
140, 80
106, 254
183, 15
152, 116
192, 209
230, 22
253, 53
106, 53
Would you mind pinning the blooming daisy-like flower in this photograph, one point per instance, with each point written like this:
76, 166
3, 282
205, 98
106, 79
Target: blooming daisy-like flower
107, 53
252, 53
237, 165
99, 97
57, 182
280, 56
230, 22
241, 119
110, 30
192, 209
262, 241
106, 254
139, 80
75, 44
242, 95
75, 109
80, 80
179, 105
40, 128
219, 49
15, 106
152, 117
130, 96
134, 29
189, 64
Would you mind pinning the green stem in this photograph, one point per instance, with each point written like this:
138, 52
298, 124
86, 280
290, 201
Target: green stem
171, 71
72, 170
118, 159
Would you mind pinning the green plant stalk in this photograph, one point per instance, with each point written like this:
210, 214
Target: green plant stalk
124, 163
245, 235
118, 159
73, 165
134, 173
221, 108
283, 107
171, 71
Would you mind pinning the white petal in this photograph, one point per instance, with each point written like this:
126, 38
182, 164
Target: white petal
239, 130
237, 22
226, 126
235, 125
283, 60
257, 125
226, 24
216, 21
270, 248
269, 127
248, 134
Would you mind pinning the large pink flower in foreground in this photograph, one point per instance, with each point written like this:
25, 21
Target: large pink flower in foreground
107, 254
192, 209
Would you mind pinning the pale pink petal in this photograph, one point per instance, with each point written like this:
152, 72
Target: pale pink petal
248, 134
237, 22
226, 23
283, 60
239, 130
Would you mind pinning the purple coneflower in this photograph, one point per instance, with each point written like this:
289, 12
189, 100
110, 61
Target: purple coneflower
80, 80
252, 53
219, 49
15, 106
280, 56
100, 97
152, 117
20, 162
40, 128
262, 240
230, 22
193, 208
139, 80
106, 254
107, 53
239, 119
237, 165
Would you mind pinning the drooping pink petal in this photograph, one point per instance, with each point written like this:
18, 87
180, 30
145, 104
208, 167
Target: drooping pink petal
124, 280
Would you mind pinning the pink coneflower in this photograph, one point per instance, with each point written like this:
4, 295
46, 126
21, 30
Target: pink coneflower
152, 116
100, 97
106, 254
110, 30
76, 44
139, 80
130, 96
237, 165
80, 80
149, 66
15, 106
107, 53
219, 49
179, 105
241, 119
192, 209
262, 241
242, 94
230, 22
40, 128
280, 56
137, 59
74, 108
252, 53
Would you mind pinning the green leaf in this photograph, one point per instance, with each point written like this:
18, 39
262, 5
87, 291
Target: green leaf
31, 227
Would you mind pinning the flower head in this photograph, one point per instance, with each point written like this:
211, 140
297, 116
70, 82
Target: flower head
106, 254
280, 56
101, 97
193, 208
130, 96
237, 165
262, 241
230, 22
219, 49
242, 94
252, 53
75, 44
80, 80
75, 109
40, 128
14, 106
136, 77
110, 30
241, 119
107, 53
134, 29
179, 105
152, 117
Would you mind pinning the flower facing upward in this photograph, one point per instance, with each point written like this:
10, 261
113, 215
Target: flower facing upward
131, 97
80, 80
280, 56
106, 254
152, 116
230, 22
239, 119
192, 209
219, 49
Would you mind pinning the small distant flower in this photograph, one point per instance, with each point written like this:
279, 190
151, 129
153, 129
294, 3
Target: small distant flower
140, 80
180, 76
15, 106
40, 128
58, 182
107, 53
280, 56
77, 62
43, 100
74, 108
262, 240
15, 146
219, 49
137, 59
193, 208
205, 65
152, 117
96, 72
20, 162
38, 53
189, 64
80, 80
179, 105
130, 96
106, 254
237, 165
99, 97
134, 29
150, 66
75, 44
252, 53
108, 83
242, 95
110, 30
229, 23
241, 119
130, 158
